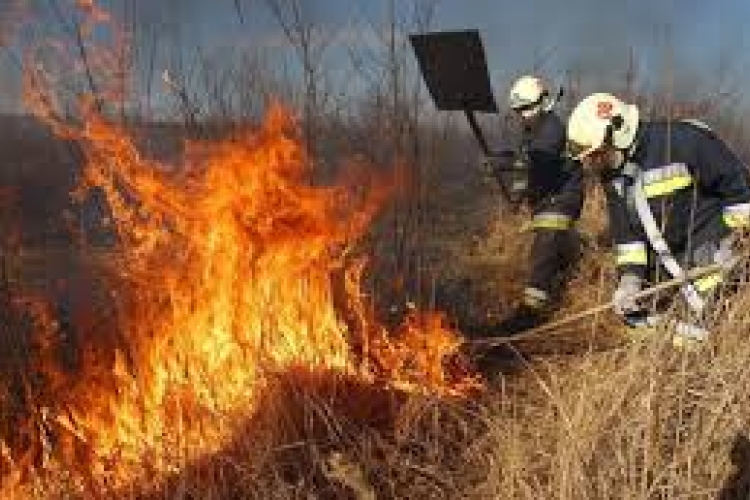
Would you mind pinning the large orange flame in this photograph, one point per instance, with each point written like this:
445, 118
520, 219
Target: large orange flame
228, 269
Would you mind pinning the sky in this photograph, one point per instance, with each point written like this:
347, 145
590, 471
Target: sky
705, 40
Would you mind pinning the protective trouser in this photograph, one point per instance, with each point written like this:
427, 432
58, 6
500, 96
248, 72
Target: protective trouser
554, 253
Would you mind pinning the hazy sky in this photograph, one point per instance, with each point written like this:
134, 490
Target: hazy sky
704, 37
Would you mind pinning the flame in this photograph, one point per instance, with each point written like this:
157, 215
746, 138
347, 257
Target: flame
229, 269
225, 276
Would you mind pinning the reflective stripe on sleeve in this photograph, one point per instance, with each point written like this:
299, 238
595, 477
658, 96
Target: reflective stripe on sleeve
633, 253
737, 215
552, 220
708, 282
666, 180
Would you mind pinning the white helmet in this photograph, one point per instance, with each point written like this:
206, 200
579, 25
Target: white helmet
527, 96
598, 119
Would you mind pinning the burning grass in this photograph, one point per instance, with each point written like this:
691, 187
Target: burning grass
224, 278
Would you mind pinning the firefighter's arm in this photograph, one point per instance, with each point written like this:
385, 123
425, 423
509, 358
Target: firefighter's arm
631, 257
565, 206
722, 174
630, 244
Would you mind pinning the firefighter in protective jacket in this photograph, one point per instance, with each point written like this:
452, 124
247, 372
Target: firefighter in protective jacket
676, 195
554, 192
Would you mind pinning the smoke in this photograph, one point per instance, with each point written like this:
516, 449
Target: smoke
12, 14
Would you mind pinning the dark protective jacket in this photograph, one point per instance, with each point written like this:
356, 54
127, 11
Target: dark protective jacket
697, 189
555, 185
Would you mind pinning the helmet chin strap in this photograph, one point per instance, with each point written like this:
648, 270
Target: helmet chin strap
618, 158
551, 101
531, 113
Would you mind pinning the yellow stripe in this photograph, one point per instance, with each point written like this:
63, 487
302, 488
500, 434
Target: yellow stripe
533, 302
735, 220
551, 221
667, 186
534, 297
708, 283
636, 257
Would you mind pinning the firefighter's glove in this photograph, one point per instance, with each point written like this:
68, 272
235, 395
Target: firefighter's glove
487, 167
623, 301
725, 253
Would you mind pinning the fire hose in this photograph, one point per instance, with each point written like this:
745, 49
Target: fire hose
697, 272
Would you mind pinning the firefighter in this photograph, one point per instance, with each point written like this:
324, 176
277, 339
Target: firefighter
554, 192
676, 196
